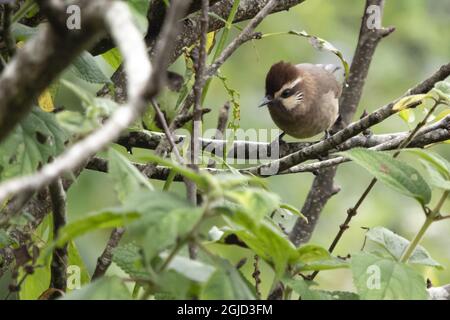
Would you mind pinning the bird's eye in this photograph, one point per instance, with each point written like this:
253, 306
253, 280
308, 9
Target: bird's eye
286, 93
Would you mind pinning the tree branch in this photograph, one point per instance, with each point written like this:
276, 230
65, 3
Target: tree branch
105, 259
41, 60
139, 72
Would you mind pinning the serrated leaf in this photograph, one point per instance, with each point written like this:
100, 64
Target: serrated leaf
392, 172
127, 179
33, 142
378, 278
85, 67
129, 258
396, 245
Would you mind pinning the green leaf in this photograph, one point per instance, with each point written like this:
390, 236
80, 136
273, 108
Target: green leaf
106, 288
226, 284
129, 258
407, 115
270, 244
302, 288
139, 9
434, 159
191, 269
85, 67
74, 259
174, 285
408, 101
392, 172
165, 217
312, 257
396, 246
113, 57
111, 218
436, 178
32, 143
379, 278
254, 203
5, 239
33, 285
163, 232
127, 179
293, 210
202, 180
74, 122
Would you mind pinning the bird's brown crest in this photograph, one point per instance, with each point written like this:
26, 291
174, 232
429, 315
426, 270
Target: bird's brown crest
280, 74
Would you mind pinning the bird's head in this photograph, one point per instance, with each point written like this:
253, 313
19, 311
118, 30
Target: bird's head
283, 86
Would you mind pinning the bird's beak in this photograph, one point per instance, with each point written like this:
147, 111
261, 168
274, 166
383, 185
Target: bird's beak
265, 101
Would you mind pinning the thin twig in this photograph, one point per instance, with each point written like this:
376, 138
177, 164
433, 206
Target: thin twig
105, 259
58, 278
162, 120
222, 122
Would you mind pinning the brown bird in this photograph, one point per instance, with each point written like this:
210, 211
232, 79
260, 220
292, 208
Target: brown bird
302, 99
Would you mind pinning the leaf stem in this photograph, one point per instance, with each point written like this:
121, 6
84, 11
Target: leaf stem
413, 244
431, 217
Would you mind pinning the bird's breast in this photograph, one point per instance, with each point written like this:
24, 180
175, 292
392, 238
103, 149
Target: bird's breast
307, 120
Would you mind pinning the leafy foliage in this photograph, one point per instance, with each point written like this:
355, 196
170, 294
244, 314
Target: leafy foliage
394, 173
396, 245
32, 144
383, 278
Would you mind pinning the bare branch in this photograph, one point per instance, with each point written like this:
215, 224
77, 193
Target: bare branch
105, 259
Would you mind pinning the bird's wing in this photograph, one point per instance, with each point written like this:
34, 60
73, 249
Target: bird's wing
323, 74
331, 68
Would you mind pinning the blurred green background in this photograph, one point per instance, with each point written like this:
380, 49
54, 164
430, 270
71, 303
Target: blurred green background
420, 44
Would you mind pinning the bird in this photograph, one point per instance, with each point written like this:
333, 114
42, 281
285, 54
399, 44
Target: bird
302, 99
